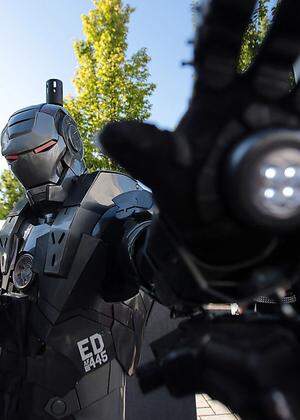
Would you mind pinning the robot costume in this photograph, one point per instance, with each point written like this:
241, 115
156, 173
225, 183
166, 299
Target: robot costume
72, 312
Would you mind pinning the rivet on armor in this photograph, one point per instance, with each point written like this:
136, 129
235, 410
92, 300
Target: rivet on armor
58, 407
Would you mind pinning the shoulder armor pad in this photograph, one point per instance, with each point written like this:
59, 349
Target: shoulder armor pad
133, 202
106, 186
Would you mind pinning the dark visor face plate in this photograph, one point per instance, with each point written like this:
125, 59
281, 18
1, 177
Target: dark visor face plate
33, 148
35, 169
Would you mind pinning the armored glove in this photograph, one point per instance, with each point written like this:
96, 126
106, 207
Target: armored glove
225, 181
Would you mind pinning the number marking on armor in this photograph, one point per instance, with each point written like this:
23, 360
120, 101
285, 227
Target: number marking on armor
92, 352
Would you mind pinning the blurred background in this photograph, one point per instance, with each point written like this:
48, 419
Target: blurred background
37, 44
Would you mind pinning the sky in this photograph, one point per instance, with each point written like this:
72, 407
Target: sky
36, 45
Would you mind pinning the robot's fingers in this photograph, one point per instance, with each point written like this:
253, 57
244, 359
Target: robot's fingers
273, 66
219, 40
142, 149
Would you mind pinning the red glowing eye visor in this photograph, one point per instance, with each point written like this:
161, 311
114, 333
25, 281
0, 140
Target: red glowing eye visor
40, 149
11, 158
45, 147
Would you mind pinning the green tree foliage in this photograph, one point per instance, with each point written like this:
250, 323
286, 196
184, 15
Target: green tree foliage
10, 192
110, 86
256, 30
256, 33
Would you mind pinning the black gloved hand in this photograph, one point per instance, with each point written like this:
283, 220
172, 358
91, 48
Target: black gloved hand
251, 365
184, 168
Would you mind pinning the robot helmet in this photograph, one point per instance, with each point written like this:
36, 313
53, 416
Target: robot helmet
43, 147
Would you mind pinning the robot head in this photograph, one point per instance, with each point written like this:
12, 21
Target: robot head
43, 147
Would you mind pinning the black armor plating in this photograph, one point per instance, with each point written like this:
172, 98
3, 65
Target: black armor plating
70, 308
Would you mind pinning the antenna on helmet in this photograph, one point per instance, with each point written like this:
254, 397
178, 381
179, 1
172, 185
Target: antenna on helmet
54, 92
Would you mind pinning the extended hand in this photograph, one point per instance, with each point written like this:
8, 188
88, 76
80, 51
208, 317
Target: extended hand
214, 203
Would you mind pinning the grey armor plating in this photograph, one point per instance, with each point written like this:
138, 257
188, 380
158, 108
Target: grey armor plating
89, 341
72, 313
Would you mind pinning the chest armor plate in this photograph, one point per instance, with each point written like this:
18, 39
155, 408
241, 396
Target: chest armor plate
82, 341
54, 245
54, 255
